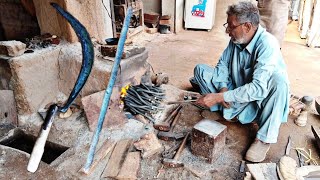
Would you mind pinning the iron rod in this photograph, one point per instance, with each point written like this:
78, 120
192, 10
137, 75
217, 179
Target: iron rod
108, 91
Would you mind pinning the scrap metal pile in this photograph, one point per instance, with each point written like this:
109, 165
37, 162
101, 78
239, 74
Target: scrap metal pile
144, 99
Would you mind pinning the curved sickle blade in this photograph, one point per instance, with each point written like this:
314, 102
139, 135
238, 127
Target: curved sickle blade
87, 55
87, 62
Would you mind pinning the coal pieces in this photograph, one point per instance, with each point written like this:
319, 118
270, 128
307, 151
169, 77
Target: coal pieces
208, 139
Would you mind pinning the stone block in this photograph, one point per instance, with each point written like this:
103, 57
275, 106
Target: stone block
14, 162
130, 51
35, 79
70, 61
49, 75
12, 48
208, 139
92, 107
148, 145
8, 111
130, 167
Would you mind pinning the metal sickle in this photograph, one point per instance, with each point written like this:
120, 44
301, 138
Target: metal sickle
87, 62
87, 55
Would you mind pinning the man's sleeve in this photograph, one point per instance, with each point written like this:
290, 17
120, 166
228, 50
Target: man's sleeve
267, 58
221, 71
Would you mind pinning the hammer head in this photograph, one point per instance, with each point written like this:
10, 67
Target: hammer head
172, 163
166, 136
170, 136
163, 126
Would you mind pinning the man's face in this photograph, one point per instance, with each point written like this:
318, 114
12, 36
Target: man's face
235, 30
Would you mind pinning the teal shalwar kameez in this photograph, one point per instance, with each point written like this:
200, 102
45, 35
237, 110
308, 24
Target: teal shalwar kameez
257, 82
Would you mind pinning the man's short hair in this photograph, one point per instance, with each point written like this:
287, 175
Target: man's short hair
245, 11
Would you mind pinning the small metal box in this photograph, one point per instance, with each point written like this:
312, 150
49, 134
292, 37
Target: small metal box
208, 139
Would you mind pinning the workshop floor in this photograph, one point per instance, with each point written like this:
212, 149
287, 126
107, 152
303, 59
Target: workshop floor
177, 54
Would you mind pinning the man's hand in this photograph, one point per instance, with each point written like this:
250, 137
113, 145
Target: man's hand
211, 99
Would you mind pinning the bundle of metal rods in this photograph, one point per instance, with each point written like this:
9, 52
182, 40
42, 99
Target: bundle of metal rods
144, 99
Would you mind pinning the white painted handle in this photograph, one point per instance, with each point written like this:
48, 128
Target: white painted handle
38, 149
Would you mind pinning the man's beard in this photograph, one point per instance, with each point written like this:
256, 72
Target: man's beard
240, 40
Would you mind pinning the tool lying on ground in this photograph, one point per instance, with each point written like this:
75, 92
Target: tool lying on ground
166, 123
288, 148
303, 155
174, 163
144, 99
287, 165
87, 62
300, 158
170, 136
169, 154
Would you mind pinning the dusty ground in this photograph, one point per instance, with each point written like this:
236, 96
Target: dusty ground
176, 55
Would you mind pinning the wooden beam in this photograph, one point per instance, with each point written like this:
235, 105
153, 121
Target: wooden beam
101, 153
130, 167
117, 157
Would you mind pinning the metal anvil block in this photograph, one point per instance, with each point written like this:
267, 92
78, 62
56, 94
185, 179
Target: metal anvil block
208, 139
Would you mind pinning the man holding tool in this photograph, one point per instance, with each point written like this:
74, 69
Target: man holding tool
250, 80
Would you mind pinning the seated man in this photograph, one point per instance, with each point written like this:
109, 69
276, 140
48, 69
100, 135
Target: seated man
250, 80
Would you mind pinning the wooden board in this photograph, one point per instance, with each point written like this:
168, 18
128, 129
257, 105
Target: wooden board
101, 153
130, 167
117, 157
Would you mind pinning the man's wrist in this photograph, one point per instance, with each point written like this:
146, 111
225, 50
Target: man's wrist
221, 98
223, 89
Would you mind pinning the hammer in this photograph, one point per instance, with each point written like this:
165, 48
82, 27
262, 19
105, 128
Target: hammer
170, 136
174, 163
165, 125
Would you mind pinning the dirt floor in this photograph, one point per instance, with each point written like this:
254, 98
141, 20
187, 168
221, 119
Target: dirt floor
176, 55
